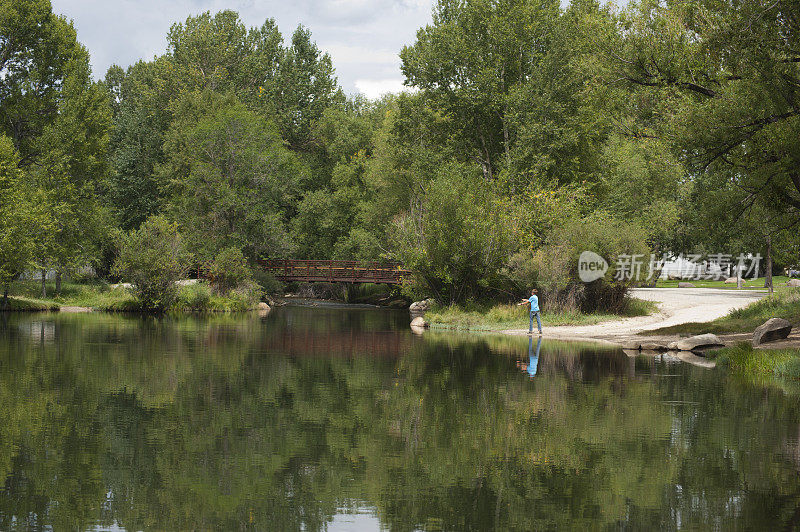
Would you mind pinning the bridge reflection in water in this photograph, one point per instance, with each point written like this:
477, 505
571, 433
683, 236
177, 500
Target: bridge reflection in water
335, 271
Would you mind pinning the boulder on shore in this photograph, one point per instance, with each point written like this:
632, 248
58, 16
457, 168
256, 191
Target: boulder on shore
771, 330
672, 346
686, 285
696, 342
420, 306
730, 280
419, 321
263, 306
633, 345
794, 283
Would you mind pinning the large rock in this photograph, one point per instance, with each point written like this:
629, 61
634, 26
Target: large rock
793, 283
697, 342
672, 346
730, 280
686, 285
263, 306
773, 329
419, 321
420, 306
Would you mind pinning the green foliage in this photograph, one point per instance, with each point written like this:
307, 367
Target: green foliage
239, 299
531, 122
643, 181
553, 268
776, 368
455, 241
194, 297
469, 61
230, 177
39, 48
72, 169
140, 97
152, 258
229, 270
19, 304
58, 119
306, 87
16, 223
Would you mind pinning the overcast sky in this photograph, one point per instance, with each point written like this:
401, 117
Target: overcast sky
363, 37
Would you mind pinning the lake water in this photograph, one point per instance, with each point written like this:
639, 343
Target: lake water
341, 419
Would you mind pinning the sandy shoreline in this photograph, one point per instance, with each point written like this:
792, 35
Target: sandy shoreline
676, 306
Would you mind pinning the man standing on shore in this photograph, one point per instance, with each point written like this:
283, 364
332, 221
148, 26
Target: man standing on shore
533, 301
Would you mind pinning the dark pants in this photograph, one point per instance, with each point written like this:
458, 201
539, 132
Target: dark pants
538, 322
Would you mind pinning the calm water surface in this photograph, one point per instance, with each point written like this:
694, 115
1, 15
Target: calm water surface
315, 419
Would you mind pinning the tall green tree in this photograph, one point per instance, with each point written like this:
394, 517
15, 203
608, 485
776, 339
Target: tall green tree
230, 177
737, 68
36, 48
307, 86
335, 220
140, 99
73, 168
18, 219
469, 62
59, 119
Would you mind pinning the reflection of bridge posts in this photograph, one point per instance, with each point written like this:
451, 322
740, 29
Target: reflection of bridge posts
335, 271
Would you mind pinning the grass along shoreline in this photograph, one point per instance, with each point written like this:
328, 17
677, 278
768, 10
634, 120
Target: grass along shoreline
775, 368
510, 316
24, 296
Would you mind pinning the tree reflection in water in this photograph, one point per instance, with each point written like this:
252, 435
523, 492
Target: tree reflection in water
284, 421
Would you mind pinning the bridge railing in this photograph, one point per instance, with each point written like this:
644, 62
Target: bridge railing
334, 271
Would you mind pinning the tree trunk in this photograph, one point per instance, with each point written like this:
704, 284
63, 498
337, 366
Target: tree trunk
58, 282
5, 298
44, 288
768, 272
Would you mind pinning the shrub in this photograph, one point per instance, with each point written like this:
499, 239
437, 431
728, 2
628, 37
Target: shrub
268, 283
553, 268
194, 297
455, 237
244, 297
152, 258
229, 269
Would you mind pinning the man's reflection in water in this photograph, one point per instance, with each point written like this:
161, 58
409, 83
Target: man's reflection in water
533, 358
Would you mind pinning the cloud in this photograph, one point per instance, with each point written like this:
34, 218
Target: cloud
363, 37
345, 54
375, 88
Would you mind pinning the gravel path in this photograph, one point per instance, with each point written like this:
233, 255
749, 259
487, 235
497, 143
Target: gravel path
676, 306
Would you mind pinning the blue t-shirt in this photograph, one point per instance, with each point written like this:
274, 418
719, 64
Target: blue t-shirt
534, 301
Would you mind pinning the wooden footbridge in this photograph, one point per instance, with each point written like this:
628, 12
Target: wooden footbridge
335, 271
